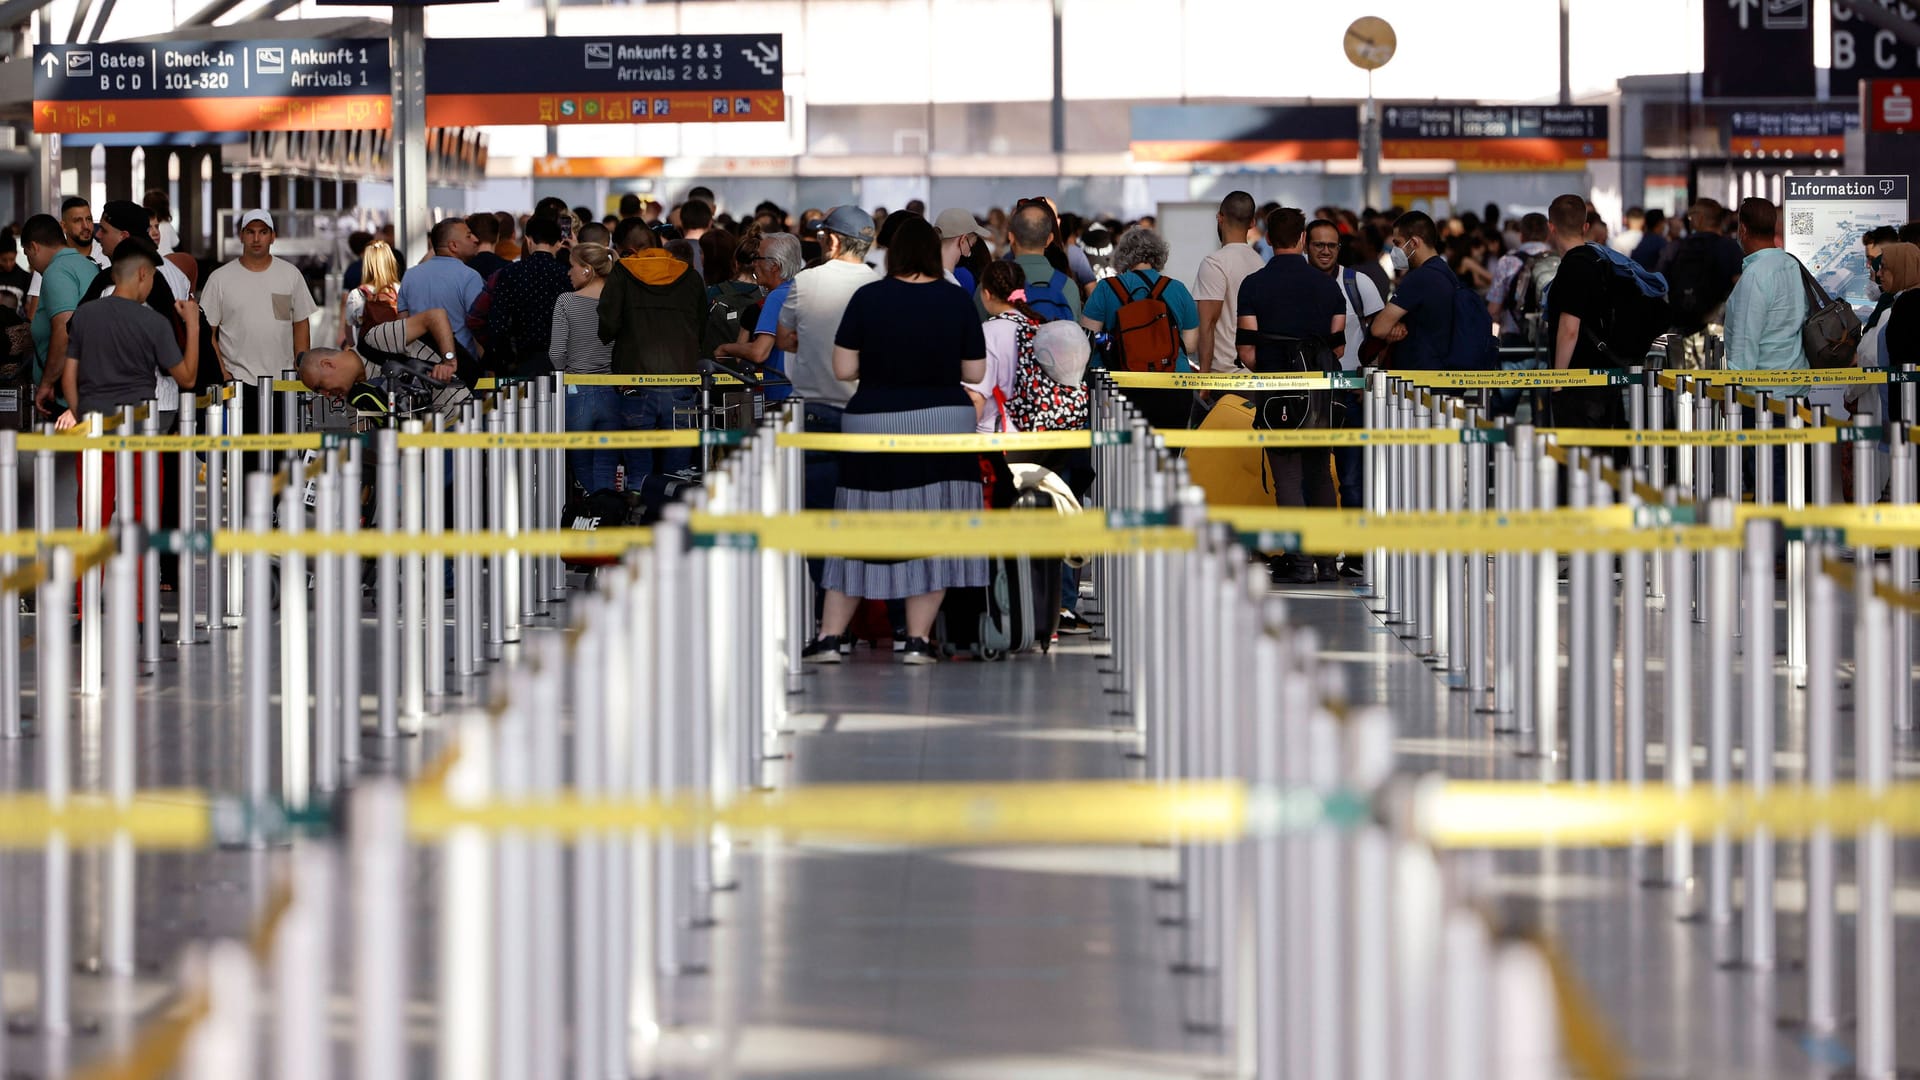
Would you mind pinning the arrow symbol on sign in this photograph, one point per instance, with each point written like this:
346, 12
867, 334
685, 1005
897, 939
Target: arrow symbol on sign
51, 61
771, 52
1743, 6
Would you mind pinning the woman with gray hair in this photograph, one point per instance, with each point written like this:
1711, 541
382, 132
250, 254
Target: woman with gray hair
774, 267
1154, 304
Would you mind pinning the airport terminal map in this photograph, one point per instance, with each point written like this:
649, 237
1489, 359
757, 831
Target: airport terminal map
1825, 217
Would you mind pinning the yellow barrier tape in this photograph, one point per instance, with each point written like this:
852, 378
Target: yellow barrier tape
1804, 377
434, 776
1612, 437
268, 926
214, 396
158, 818
552, 440
1093, 812
1591, 1048
1494, 380
157, 1052
1227, 382
166, 444
567, 543
1270, 519
1403, 538
915, 444
290, 386
1216, 440
29, 543
110, 423
622, 380
1498, 814
1846, 577
887, 535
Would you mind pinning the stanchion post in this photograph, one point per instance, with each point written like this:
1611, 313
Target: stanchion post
1721, 607
1900, 492
216, 520
1875, 1044
1679, 707
150, 521
388, 616
1475, 601
296, 747
259, 654
328, 720
55, 653
352, 574
378, 848
1600, 672
496, 523
123, 675
93, 519
236, 507
413, 617
434, 623
10, 687
1823, 655
1582, 626
186, 579
1759, 709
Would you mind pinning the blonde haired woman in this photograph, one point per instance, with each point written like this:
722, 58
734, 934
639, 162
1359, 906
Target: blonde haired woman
576, 349
377, 298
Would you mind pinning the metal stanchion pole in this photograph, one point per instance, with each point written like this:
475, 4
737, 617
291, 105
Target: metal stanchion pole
465, 659
236, 508
1796, 555
1370, 925
264, 387
435, 621
1520, 573
553, 482
1875, 1044
1702, 494
527, 468
1475, 601
1462, 609
10, 688
1759, 708
1504, 588
1466, 1021
1823, 655
388, 479
1633, 656
259, 652
1900, 564
302, 967
55, 651
352, 574
1603, 684
123, 673
497, 524
289, 407
1327, 911
1545, 621
1582, 624
1721, 606
468, 885
1526, 1043
413, 616
378, 848
670, 603
150, 555
326, 654
296, 761
93, 515
513, 917
1679, 718
1424, 566
590, 754
216, 520
186, 581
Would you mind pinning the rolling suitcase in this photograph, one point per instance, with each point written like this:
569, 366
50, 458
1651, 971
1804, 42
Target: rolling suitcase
979, 621
1231, 477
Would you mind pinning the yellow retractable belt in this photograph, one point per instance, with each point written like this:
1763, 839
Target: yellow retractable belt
1495, 380
552, 440
1770, 437
914, 444
1232, 382
618, 380
1216, 440
157, 818
1806, 377
567, 543
959, 533
173, 443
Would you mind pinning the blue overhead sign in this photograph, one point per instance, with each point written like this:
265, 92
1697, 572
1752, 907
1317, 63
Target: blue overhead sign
605, 80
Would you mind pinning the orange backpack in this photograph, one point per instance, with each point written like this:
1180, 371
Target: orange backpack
1144, 335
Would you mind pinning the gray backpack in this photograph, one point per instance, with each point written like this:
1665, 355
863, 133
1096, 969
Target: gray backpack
1831, 334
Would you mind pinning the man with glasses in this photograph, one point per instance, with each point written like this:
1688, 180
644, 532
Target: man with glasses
1363, 303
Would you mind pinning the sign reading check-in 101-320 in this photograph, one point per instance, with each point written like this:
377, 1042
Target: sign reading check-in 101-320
292, 85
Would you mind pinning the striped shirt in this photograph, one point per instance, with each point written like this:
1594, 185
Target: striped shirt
575, 347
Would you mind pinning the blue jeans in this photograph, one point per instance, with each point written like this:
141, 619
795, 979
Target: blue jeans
599, 408
1350, 462
652, 410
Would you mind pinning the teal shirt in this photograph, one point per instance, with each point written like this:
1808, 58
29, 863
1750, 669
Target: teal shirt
1765, 313
62, 284
1104, 306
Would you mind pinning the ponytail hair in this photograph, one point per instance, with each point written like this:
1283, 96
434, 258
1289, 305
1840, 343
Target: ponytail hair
1001, 279
597, 258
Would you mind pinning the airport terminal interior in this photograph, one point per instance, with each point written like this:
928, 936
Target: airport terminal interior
958, 539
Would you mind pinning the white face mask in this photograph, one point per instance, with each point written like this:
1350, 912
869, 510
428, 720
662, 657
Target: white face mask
1873, 291
1398, 258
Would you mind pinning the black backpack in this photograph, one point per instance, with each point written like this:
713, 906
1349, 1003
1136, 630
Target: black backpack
1291, 410
1694, 285
735, 305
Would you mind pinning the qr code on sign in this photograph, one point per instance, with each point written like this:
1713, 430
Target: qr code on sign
1801, 223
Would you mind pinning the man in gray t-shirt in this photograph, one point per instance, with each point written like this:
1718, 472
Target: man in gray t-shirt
117, 346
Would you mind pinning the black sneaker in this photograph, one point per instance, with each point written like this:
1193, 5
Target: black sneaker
821, 650
1073, 624
899, 641
1353, 566
918, 651
1293, 570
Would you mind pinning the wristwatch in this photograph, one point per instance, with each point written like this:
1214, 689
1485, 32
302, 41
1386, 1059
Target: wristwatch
447, 356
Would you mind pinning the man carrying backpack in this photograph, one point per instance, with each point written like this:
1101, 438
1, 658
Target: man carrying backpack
1518, 296
1603, 311
1434, 321
1051, 292
1700, 270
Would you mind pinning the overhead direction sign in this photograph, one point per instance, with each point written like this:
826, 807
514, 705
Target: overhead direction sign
605, 80
1518, 135
283, 85
1260, 133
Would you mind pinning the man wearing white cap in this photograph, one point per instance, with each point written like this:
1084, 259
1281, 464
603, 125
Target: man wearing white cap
258, 306
959, 231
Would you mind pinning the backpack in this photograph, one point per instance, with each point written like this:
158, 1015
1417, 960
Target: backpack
1831, 335
1471, 345
1144, 336
727, 314
1637, 310
1694, 282
379, 308
1046, 394
1527, 292
1291, 410
1050, 299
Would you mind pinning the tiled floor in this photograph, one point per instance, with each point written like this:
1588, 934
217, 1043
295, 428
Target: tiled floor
851, 961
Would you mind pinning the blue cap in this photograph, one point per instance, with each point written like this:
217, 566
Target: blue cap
850, 221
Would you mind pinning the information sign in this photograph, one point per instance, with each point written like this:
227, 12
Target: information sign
286, 85
605, 80
1518, 134
1825, 217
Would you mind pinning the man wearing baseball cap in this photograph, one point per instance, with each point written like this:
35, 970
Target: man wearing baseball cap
258, 306
808, 322
958, 233
119, 220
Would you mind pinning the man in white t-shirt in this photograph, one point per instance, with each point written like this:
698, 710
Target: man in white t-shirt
258, 306
1363, 303
1216, 288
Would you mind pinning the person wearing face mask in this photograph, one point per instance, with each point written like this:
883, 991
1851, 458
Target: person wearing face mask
1419, 318
1899, 272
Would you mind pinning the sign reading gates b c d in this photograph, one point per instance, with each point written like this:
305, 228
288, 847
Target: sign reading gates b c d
1824, 218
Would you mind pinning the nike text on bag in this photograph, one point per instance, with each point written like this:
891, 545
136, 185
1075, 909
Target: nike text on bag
1831, 334
1144, 338
1050, 299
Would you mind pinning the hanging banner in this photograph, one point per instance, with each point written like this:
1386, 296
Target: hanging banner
1825, 217
605, 80
1496, 136
1758, 48
1245, 133
288, 85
